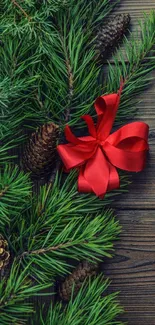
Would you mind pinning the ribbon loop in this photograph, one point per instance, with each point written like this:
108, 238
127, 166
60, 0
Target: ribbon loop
90, 123
106, 108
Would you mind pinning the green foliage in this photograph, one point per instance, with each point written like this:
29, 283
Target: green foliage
44, 56
55, 227
18, 83
134, 67
74, 238
14, 295
30, 15
15, 189
91, 306
49, 228
10, 138
48, 70
71, 72
34, 16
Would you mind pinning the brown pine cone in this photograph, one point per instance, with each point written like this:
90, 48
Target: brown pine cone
40, 152
111, 33
4, 253
80, 273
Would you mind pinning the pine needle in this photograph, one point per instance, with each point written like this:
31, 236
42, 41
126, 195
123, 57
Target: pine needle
91, 306
15, 189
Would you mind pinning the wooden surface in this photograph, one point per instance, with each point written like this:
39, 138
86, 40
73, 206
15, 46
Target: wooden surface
132, 270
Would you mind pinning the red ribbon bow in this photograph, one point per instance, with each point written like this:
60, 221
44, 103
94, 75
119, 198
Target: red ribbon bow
100, 153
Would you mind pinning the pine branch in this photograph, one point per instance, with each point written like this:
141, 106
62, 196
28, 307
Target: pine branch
76, 239
70, 95
134, 67
14, 295
58, 225
15, 189
41, 56
92, 306
46, 250
17, 84
65, 99
10, 138
21, 9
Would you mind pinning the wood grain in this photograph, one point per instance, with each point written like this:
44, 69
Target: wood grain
132, 270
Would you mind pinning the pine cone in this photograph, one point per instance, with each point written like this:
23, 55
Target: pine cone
40, 152
4, 253
82, 271
110, 34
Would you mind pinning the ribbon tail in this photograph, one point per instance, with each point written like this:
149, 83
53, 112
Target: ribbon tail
83, 185
113, 184
114, 181
94, 176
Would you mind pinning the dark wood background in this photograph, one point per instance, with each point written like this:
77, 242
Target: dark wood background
132, 270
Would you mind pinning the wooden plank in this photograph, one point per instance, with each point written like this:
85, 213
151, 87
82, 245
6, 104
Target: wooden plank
146, 105
132, 270
136, 6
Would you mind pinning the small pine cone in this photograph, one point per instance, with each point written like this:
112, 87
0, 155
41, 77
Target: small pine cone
40, 152
4, 253
110, 34
80, 273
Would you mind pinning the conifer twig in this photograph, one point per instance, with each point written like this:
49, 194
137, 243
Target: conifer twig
70, 77
39, 101
21, 9
42, 206
67, 112
70, 95
3, 191
44, 250
91, 305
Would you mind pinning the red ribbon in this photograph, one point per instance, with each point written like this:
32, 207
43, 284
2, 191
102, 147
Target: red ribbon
98, 154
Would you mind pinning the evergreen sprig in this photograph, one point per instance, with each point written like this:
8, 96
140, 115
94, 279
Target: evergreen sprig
50, 72
33, 15
53, 229
91, 306
74, 239
134, 67
15, 293
18, 83
15, 189
11, 138
50, 228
